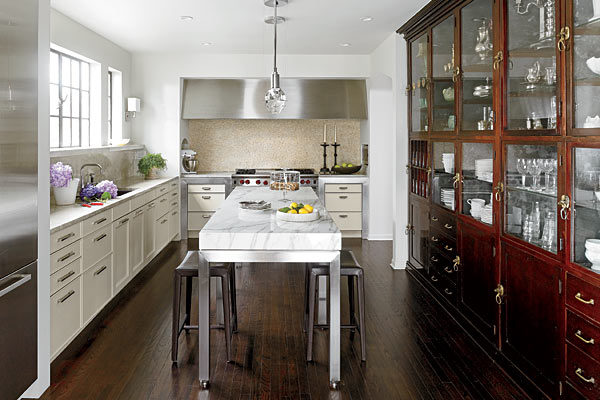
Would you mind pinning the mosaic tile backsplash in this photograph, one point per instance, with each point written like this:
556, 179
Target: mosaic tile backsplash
224, 145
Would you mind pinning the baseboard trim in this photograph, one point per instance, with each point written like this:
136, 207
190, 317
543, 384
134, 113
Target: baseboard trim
380, 237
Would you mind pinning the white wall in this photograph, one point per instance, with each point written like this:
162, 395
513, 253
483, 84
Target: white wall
156, 80
77, 38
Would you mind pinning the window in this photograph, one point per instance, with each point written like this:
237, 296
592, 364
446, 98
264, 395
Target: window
110, 106
69, 101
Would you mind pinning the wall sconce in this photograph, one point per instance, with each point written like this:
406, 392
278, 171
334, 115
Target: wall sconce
133, 106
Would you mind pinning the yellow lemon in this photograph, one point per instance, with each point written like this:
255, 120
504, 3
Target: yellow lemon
308, 208
294, 205
303, 211
292, 212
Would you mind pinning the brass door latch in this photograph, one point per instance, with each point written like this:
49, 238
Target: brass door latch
499, 293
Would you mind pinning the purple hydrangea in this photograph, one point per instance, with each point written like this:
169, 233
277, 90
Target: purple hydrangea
88, 192
60, 174
107, 187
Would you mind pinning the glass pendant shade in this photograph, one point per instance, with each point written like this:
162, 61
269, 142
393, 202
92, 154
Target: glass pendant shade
275, 98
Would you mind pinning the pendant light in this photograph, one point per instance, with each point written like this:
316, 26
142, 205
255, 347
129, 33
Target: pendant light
275, 98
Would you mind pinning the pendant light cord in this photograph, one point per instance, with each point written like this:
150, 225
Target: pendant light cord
275, 39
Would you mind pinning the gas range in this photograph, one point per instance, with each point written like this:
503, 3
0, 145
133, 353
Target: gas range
262, 177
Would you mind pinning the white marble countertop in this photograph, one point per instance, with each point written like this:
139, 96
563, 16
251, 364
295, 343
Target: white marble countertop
222, 174
63, 216
232, 229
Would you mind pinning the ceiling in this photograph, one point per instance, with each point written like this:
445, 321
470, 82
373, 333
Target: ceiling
237, 27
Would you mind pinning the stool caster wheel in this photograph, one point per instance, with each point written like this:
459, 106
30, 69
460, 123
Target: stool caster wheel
334, 385
204, 384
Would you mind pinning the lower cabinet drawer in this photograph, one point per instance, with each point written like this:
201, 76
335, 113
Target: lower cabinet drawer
343, 201
65, 314
583, 372
121, 209
197, 220
161, 231
443, 222
65, 256
206, 188
343, 188
163, 204
583, 335
97, 288
583, 297
347, 221
96, 222
64, 237
65, 275
96, 246
173, 223
446, 288
205, 201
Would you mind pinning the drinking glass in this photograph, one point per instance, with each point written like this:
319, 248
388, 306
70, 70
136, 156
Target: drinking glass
546, 169
522, 168
533, 169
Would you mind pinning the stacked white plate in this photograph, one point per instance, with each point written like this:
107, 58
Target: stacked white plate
484, 169
447, 198
448, 161
487, 216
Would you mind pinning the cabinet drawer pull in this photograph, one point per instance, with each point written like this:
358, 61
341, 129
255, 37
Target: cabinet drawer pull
433, 278
66, 296
163, 221
174, 213
69, 235
174, 194
71, 273
579, 336
448, 292
434, 219
581, 299
124, 221
434, 259
162, 189
151, 205
174, 203
434, 239
206, 197
343, 187
448, 270
343, 197
206, 188
101, 270
66, 256
579, 373
99, 238
343, 216
447, 226
139, 212
101, 220
163, 200
206, 216
448, 248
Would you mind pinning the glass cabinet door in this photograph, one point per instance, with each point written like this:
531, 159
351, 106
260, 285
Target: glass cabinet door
419, 168
585, 248
531, 201
586, 65
444, 176
531, 68
419, 108
477, 177
444, 118
477, 66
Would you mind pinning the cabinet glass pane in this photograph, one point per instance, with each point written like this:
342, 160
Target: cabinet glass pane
478, 176
419, 163
531, 65
586, 196
477, 65
531, 202
419, 56
443, 174
586, 63
443, 70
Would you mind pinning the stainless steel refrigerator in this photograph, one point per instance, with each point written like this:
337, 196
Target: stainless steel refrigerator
18, 195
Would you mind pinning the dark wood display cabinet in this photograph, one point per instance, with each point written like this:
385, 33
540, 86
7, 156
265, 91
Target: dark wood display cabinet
504, 197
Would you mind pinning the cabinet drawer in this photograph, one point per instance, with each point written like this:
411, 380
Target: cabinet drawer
343, 188
583, 297
174, 184
163, 204
197, 220
443, 286
443, 222
138, 202
96, 222
443, 265
97, 246
64, 237
161, 231
443, 244
583, 372
65, 275
173, 223
347, 221
206, 188
65, 256
162, 189
97, 287
121, 209
343, 201
174, 204
583, 335
205, 202
65, 314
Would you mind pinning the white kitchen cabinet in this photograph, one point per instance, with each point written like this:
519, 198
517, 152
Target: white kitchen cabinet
65, 275
65, 256
347, 221
96, 288
65, 315
161, 231
121, 256
205, 201
65, 237
173, 223
149, 219
344, 203
162, 204
136, 241
96, 222
96, 246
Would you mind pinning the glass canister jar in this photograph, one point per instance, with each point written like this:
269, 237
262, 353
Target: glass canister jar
285, 180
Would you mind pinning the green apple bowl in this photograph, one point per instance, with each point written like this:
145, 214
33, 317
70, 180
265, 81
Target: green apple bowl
347, 170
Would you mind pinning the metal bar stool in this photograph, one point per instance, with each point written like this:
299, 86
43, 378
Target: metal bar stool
350, 268
188, 269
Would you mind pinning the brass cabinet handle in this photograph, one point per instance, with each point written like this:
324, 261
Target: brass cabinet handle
62, 239
565, 207
499, 293
66, 256
499, 189
456, 262
99, 238
455, 74
448, 248
581, 299
433, 278
206, 197
434, 219
449, 227
434, 239
448, 292
498, 58
101, 220
101, 270
579, 336
448, 270
66, 296
71, 273
579, 373
434, 259
563, 36
457, 178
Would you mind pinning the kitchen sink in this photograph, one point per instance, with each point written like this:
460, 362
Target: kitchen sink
123, 191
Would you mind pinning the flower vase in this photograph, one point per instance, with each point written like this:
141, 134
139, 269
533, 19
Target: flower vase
152, 174
66, 195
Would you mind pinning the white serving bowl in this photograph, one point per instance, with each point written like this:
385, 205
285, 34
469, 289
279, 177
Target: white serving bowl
298, 217
594, 65
594, 258
593, 245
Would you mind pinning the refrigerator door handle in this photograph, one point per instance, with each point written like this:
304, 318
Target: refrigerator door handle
23, 279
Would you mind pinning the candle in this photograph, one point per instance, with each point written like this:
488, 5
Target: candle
325, 133
335, 134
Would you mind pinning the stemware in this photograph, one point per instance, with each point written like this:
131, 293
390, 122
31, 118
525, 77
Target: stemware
533, 169
522, 168
546, 167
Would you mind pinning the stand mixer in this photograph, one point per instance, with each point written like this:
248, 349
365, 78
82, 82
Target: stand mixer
188, 161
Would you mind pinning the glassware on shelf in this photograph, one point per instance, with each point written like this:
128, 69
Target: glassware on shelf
527, 229
533, 169
522, 168
549, 233
484, 46
536, 223
547, 167
285, 181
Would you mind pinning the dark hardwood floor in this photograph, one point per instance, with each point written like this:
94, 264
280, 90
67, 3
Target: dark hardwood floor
414, 349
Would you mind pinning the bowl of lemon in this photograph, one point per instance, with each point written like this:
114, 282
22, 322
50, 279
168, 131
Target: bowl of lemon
346, 169
298, 212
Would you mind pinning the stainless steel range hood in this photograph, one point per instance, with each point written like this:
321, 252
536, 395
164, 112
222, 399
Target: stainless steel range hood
245, 99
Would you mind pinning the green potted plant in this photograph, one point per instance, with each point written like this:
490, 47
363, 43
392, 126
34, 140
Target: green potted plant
150, 164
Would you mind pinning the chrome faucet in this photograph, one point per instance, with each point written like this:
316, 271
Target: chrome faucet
89, 178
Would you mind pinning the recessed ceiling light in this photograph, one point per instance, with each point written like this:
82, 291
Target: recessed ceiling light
345, 44
186, 18
366, 19
206, 43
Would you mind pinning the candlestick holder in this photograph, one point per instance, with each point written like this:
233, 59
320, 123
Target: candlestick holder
335, 145
324, 170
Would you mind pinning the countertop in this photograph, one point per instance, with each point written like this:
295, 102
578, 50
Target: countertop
222, 174
339, 178
233, 229
63, 216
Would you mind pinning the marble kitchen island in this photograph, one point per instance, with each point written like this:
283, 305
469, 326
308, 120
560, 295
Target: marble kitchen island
233, 235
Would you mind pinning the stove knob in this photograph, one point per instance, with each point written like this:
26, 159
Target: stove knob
247, 182
302, 181
265, 183
258, 181
241, 181
308, 181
